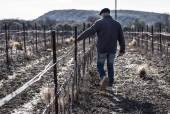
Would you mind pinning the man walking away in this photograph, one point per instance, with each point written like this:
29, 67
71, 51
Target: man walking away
109, 31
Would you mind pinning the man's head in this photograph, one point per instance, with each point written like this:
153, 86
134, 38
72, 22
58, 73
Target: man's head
105, 12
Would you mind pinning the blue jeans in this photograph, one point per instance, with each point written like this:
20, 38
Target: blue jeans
101, 57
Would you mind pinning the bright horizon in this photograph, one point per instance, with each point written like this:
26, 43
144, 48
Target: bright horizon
31, 9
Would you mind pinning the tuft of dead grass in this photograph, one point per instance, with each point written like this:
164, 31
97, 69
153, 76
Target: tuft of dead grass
16, 46
151, 39
142, 71
67, 41
133, 43
27, 55
72, 39
58, 42
47, 93
75, 96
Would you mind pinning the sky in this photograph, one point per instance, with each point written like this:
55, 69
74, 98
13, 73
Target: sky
31, 9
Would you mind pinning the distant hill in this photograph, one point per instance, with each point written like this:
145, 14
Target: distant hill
124, 16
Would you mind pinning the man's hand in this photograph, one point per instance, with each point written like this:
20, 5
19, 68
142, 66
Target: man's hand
120, 54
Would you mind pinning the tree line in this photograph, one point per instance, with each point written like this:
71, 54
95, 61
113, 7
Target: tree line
14, 24
164, 20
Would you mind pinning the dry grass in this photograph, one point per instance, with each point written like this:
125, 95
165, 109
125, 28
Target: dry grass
150, 39
75, 96
72, 39
142, 71
16, 46
59, 42
133, 43
27, 55
10, 42
67, 41
63, 102
47, 92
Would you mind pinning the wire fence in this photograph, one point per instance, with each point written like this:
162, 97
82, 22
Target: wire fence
153, 43
19, 46
26, 84
42, 71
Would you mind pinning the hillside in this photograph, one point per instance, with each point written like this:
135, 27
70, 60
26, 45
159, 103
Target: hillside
124, 16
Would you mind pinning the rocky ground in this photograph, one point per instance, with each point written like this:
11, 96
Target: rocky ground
132, 93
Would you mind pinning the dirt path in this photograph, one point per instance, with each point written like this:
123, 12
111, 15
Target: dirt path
131, 93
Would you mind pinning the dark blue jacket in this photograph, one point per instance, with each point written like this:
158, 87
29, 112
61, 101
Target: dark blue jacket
109, 32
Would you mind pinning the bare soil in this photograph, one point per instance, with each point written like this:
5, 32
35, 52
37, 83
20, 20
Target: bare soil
17, 77
131, 93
